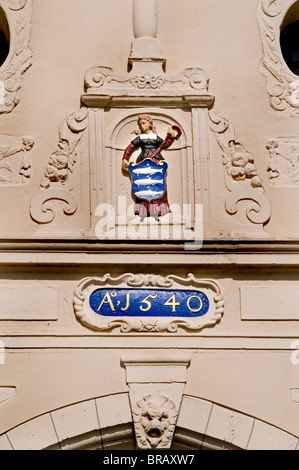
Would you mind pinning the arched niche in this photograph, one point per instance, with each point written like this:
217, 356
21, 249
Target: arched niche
178, 156
109, 135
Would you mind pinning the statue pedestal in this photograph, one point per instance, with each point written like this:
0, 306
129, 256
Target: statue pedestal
169, 228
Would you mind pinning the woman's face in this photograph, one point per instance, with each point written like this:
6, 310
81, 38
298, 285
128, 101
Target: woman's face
145, 126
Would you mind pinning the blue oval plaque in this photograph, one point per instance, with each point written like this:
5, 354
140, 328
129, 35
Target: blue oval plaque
149, 303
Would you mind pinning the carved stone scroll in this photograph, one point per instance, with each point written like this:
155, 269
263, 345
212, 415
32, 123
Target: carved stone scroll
15, 159
18, 14
138, 322
57, 184
240, 174
103, 79
282, 83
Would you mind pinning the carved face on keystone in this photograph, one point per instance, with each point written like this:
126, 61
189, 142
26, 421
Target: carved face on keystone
155, 418
155, 421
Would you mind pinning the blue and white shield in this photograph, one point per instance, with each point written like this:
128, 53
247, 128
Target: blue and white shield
148, 179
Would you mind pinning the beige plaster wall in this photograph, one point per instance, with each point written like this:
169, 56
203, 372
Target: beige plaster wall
250, 382
245, 365
244, 361
52, 314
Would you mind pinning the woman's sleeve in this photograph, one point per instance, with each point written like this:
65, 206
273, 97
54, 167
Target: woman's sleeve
131, 147
128, 152
168, 141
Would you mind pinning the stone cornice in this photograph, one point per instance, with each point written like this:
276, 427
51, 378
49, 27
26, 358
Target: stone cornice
80, 244
94, 100
83, 253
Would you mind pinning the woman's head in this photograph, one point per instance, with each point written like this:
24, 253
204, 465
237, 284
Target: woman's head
145, 124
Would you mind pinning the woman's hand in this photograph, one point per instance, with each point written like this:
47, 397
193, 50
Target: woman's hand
172, 132
125, 165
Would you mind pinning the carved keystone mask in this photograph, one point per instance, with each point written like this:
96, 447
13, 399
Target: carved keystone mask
154, 417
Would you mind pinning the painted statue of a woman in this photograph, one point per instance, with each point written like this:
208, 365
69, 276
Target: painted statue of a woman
148, 173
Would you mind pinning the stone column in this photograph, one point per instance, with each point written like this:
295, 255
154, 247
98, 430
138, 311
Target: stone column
145, 18
145, 46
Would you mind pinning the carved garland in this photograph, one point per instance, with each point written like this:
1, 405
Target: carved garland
147, 324
57, 181
18, 13
241, 178
282, 84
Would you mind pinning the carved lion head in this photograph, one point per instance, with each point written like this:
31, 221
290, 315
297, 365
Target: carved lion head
155, 418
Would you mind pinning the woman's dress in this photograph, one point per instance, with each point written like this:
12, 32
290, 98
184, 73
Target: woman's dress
149, 144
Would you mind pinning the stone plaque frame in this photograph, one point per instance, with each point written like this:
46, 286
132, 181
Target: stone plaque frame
92, 320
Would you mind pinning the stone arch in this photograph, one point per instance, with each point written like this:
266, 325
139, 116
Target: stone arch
132, 114
105, 423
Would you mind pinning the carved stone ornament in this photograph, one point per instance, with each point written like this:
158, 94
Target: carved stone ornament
18, 14
147, 80
240, 173
15, 159
282, 83
283, 166
143, 322
155, 418
57, 184
104, 79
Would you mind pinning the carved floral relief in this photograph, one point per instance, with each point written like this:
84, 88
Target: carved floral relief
282, 84
57, 184
241, 177
18, 14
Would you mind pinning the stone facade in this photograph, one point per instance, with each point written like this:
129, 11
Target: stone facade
219, 370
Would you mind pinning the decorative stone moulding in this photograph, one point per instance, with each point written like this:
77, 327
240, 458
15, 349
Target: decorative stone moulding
282, 83
206, 293
283, 166
57, 184
105, 86
241, 177
147, 79
15, 159
18, 14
